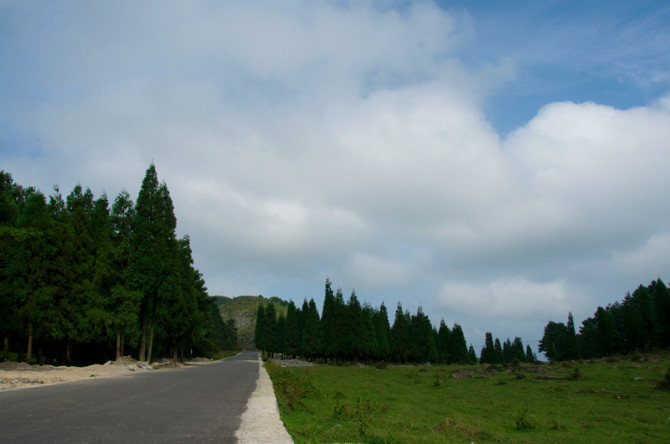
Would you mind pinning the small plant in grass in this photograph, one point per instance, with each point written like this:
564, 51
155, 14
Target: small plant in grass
361, 412
576, 374
523, 420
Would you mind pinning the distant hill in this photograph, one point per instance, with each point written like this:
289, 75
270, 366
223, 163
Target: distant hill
243, 310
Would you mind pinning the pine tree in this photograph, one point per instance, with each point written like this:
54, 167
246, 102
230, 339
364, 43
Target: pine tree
457, 347
571, 344
311, 336
422, 340
259, 339
353, 332
498, 352
293, 330
400, 339
327, 343
488, 353
382, 332
443, 342
369, 345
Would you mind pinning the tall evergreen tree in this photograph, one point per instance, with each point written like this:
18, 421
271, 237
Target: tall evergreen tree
457, 347
328, 321
353, 329
488, 355
400, 336
293, 330
382, 332
311, 335
369, 345
422, 340
443, 342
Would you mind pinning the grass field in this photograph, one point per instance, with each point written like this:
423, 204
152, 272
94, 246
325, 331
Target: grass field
613, 401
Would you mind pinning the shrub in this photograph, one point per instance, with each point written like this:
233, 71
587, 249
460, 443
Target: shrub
524, 421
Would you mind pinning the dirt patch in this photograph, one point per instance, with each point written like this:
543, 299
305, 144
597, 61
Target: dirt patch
20, 374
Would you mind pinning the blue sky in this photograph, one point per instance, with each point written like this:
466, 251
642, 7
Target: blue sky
498, 163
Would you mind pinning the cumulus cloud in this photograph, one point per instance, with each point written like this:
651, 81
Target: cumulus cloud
309, 139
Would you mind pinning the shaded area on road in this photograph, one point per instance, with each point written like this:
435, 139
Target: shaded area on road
196, 405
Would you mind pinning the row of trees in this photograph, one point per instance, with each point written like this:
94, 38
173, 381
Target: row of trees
82, 281
354, 331
495, 353
640, 322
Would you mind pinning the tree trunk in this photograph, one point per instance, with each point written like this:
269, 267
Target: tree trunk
123, 343
68, 352
5, 345
29, 351
118, 344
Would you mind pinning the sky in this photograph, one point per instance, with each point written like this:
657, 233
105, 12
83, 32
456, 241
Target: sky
497, 163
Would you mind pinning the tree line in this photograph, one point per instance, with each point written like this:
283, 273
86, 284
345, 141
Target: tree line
641, 322
351, 331
83, 281
508, 352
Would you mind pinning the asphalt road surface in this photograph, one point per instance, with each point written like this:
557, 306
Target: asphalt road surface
199, 404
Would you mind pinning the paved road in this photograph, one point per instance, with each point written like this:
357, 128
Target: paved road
199, 404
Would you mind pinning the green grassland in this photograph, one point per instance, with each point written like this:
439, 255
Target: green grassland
614, 401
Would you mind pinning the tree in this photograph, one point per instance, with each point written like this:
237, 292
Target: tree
400, 339
311, 335
443, 342
382, 332
488, 352
328, 321
353, 329
369, 346
422, 340
293, 330
124, 300
571, 345
458, 351
608, 336
553, 341
153, 241
497, 348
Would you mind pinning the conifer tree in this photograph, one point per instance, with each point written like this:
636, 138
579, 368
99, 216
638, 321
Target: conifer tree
382, 332
488, 353
400, 339
369, 346
457, 347
327, 344
443, 342
311, 336
293, 330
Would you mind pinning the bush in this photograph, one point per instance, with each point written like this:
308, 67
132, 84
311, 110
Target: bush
524, 421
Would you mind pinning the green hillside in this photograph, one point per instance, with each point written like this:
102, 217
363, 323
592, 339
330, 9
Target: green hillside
243, 310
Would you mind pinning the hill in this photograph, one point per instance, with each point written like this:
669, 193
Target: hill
243, 310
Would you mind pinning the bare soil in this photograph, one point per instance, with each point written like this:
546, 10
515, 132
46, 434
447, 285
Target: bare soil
19, 374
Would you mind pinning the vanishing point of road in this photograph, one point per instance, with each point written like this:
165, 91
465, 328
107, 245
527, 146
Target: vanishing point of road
200, 404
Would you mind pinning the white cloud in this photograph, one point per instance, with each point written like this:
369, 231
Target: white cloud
347, 142
511, 298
